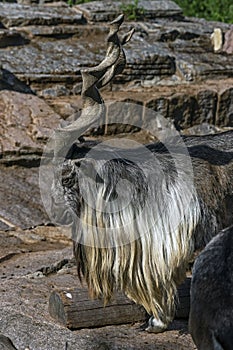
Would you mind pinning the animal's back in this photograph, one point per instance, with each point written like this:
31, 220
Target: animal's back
212, 161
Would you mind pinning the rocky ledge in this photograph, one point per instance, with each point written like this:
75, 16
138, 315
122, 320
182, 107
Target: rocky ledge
172, 66
46, 45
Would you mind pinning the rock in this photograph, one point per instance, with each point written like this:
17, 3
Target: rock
189, 110
158, 120
202, 129
181, 109
4, 226
30, 262
42, 2
55, 91
37, 274
174, 57
145, 61
49, 63
162, 52
44, 235
123, 117
156, 117
207, 107
225, 109
187, 29
24, 313
40, 332
190, 43
9, 244
61, 31
9, 81
6, 343
202, 66
159, 105
12, 38
97, 11
161, 9
26, 123
194, 105
202, 107
186, 110
100, 11
14, 15
14, 243
46, 63
20, 199
66, 106
228, 44
217, 39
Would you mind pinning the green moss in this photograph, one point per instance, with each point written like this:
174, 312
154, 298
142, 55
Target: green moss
132, 10
213, 10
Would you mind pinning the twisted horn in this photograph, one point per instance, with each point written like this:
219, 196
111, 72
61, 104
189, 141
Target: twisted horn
93, 79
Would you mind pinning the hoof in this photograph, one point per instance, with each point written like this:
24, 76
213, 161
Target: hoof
155, 325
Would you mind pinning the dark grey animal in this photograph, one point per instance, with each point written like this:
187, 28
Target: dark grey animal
138, 214
211, 315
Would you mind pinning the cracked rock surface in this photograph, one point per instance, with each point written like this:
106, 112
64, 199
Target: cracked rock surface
47, 45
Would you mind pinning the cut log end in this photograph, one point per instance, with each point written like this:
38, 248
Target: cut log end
74, 309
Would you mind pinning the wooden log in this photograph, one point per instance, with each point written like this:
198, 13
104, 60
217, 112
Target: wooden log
73, 308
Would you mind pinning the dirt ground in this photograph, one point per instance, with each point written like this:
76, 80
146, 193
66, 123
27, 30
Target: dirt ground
32, 263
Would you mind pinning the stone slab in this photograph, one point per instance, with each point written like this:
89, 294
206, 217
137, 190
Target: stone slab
32, 264
4, 226
99, 11
161, 52
186, 29
45, 62
228, 44
12, 38
60, 31
26, 123
185, 105
196, 65
20, 200
14, 15
8, 81
225, 108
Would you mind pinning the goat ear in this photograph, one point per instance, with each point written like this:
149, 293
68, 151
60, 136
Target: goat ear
127, 37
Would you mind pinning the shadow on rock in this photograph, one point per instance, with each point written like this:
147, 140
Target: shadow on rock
8, 81
6, 343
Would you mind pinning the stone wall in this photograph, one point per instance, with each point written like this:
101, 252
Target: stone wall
47, 45
171, 68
